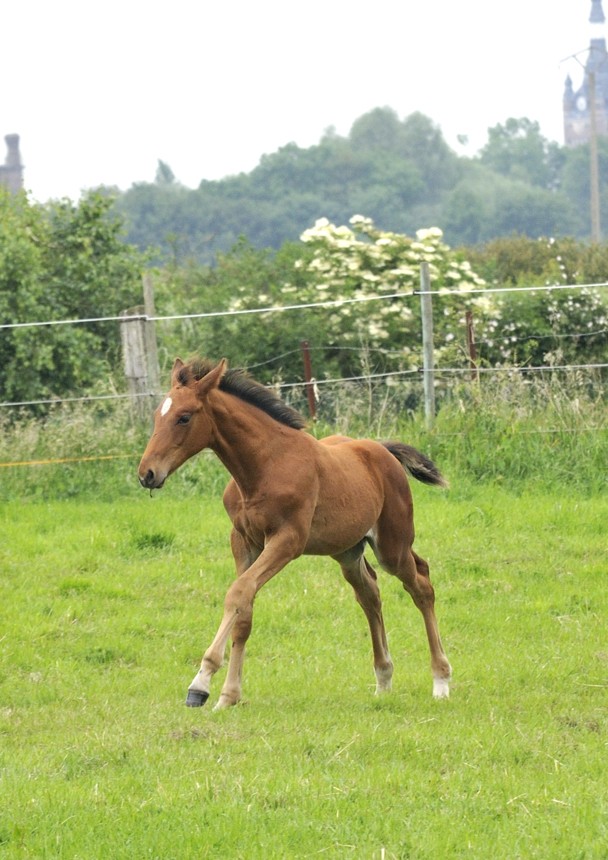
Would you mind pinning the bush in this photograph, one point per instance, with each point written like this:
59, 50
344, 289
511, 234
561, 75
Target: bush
60, 262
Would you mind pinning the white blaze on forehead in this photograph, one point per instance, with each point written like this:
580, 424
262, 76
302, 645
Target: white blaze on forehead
166, 406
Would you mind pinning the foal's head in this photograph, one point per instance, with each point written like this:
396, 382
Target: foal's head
182, 425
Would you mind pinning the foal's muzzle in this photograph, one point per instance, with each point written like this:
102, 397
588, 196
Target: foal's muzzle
150, 481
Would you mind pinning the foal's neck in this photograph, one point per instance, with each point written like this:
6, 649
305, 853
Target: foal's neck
247, 440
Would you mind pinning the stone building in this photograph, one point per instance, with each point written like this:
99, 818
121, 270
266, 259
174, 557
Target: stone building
577, 103
11, 172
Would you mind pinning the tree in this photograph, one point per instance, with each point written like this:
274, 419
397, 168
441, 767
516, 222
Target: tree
468, 208
394, 170
485, 204
575, 180
62, 261
425, 147
22, 235
342, 281
378, 131
518, 151
243, 279
534, 212
400, 172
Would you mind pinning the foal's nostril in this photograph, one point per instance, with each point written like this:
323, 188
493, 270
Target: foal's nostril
148, 479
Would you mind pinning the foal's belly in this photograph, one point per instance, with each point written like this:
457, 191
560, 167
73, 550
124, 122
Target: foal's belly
338, 528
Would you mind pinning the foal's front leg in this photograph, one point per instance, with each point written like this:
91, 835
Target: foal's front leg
237, 619
244, 556
238, 613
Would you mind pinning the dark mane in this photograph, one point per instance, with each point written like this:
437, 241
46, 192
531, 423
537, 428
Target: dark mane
240, 383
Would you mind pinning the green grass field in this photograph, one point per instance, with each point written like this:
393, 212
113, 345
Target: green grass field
106, 608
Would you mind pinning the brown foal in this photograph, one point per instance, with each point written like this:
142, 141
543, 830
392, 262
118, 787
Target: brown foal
290, 495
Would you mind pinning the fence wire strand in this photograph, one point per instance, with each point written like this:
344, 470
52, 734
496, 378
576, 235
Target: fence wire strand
328, 303
413, 373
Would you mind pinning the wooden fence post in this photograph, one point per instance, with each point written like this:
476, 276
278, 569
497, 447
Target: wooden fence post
471, 347
310, 388
140, 354
133, 336
426, 305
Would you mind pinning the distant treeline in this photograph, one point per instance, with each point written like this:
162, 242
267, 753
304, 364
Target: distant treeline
401, 173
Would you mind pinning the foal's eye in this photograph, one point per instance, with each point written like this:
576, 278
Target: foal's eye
183, 419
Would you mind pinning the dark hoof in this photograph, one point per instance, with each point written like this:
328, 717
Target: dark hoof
196, 699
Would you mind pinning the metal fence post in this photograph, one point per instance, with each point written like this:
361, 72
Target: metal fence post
150, 335
426, 305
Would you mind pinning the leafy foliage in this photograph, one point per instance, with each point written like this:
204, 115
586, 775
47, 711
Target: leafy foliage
354, 288
518, 150
547, 327
385, 168
346, 277
70, 261
62, 261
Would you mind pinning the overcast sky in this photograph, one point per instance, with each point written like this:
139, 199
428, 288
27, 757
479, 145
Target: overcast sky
99, 92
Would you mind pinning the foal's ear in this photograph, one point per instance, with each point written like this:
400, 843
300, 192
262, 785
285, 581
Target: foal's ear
177, 366
212, 379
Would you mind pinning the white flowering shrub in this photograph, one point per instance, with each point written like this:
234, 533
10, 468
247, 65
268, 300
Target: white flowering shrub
550, 327
356, 263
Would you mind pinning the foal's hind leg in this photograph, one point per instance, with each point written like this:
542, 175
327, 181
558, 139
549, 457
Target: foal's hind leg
362, 578
423, 596
397, 557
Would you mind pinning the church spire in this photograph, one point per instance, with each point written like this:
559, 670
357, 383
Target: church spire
576, 102
597, 19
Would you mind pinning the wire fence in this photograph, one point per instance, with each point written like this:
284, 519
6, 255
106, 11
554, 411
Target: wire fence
414, 373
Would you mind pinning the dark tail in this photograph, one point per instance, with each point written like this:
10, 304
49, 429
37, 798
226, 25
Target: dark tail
418, 465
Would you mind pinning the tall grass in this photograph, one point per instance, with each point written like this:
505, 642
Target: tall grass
83, 450
523, 431
520, 431
544, 431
